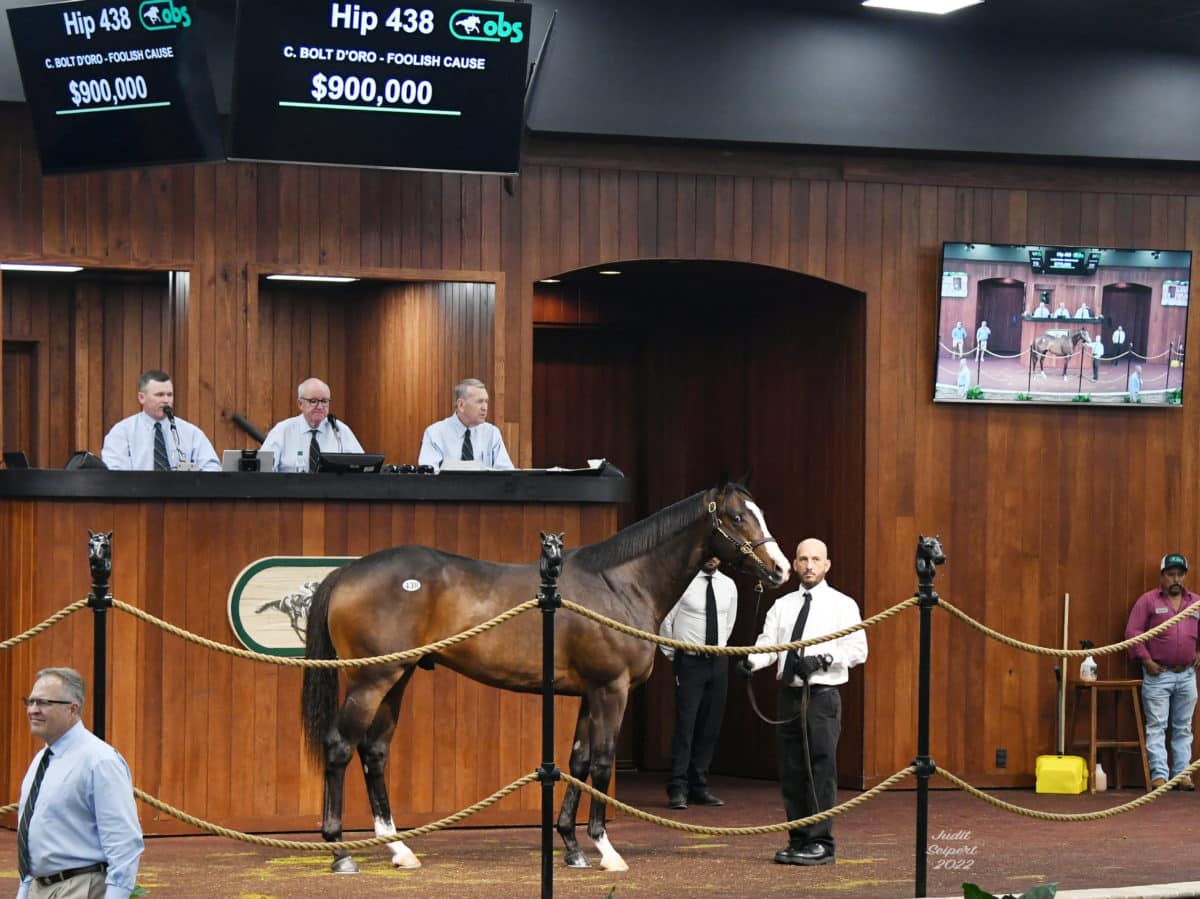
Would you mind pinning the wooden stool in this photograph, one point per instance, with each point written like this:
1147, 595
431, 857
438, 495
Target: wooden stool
1095, 743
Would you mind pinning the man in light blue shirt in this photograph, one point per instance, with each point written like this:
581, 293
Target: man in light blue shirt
291, 439
78, 832
466, 435
957, 336
982, 333
155, 439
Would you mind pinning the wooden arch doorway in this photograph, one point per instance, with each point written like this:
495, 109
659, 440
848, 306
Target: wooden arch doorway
678, 370
1128, 305
1001, 304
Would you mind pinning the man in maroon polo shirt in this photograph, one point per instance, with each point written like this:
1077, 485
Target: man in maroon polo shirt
1169, 665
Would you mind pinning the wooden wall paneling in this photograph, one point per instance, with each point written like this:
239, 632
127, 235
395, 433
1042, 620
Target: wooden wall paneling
18, 382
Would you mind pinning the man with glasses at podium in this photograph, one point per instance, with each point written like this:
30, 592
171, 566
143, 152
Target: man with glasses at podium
298, 442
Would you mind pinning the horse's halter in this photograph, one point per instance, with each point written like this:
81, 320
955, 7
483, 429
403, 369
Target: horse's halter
745, 548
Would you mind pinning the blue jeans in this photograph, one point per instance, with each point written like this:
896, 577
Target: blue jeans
1169, 698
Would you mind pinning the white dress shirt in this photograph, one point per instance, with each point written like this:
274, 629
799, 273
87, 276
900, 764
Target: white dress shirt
129, 446
831, 610
289, 441
444, 439
688, 618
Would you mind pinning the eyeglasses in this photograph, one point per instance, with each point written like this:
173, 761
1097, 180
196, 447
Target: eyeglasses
316, 402
39, 703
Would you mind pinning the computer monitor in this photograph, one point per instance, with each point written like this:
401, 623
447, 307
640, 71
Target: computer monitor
350, 462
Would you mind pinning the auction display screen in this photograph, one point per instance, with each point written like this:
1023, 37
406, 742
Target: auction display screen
114, 85
435, 85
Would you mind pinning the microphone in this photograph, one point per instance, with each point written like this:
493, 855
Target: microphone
336, 432
183, 464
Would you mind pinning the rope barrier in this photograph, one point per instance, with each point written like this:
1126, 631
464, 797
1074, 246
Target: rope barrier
1059, 651
672, 824
1002, 356
312, 846
48, 623
702, 649
294, 662
1142, 800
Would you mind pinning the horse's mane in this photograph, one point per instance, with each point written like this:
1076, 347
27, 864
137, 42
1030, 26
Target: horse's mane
641, 536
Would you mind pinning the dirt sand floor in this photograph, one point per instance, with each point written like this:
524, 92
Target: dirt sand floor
972, 842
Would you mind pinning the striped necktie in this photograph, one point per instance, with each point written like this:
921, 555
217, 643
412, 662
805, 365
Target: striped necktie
161, 463
23, 861
468, 451
314, 452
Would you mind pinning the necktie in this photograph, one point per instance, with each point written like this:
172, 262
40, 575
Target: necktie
314, 452
468, 452
710, 613
793, 656
160, 449
23, 861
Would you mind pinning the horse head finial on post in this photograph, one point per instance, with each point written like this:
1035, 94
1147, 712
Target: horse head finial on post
929, 555
552, 557
100, 559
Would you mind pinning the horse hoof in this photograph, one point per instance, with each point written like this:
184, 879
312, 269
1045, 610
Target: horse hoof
407, 861
617, 864
344, 865
576, 859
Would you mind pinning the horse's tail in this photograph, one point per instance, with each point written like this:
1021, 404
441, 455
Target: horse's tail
318, 705
273, 604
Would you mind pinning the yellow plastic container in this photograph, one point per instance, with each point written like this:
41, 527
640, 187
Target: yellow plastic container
1061, 774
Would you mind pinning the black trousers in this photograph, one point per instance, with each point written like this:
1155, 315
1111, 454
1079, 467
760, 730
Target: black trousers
701, 683
824, 728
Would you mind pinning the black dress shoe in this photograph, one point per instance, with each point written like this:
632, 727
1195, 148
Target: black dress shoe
787, 856
676, 800
813, 854
703, 797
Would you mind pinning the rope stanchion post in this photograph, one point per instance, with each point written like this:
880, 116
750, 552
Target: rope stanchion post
929, 556
100, 600
549, 600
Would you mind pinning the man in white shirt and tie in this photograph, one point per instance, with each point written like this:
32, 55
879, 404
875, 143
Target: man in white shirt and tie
298, 442
466, 435
704, 615
809, 701
154, 439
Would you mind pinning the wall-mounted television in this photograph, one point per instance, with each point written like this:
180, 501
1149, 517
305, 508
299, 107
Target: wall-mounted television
115, 86
1029, 324
437, 87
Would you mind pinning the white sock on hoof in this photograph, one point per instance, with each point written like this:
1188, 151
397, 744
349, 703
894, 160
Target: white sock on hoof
610, 860
402, 856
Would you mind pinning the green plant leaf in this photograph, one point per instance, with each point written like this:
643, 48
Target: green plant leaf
138, 891
971, 891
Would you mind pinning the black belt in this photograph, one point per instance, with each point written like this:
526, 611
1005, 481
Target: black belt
1174, 669
813, 688
51, 879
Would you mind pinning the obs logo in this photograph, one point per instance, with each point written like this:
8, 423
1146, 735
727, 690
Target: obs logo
157, 15
485, 25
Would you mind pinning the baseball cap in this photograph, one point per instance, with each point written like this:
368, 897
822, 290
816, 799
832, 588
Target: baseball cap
1174, 560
